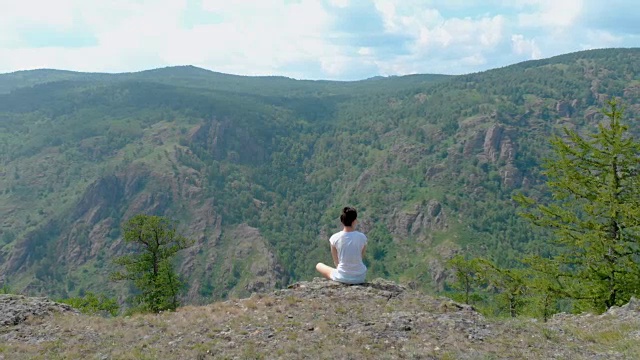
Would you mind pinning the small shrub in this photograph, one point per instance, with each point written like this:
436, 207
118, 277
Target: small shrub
5, 289
93, 304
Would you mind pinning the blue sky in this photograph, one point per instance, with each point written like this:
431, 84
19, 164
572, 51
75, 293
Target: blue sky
308, 39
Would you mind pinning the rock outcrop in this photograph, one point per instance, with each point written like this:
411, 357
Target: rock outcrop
15, 309
419, 221
476, 141
566, 108
492, 141
264, 268
225, 141
318, 288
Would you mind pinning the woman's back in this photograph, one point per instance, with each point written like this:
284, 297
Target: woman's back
349, 245
347, 249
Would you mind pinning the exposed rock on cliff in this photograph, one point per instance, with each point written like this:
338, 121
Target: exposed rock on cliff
476, 141
225, 141
264, 269
420, 220
492, 141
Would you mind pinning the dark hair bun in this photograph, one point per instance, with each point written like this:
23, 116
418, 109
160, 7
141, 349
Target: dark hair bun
349, 214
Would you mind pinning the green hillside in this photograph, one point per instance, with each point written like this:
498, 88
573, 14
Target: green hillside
256, 169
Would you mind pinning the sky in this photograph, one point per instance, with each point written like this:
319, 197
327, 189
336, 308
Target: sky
307, 39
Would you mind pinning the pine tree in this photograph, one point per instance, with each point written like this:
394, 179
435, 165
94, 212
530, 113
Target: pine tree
466, 278
595, 214
544, 289
507, 285
156, 243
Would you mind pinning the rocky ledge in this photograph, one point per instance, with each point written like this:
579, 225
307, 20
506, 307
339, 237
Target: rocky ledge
319, 287
15, 309
321, 319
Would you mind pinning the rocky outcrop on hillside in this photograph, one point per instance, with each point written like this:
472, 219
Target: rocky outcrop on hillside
239, 254
566, 108
91, 231
16, 309
324, 319
264, 268
496, 145
492, 142
419, 221
225, 141
629, 312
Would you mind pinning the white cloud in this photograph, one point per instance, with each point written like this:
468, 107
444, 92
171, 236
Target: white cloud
474, 60
460, 41
365, 51
278, 36
387, 10
601, 39
339, 3
129, 35
255, 37
551, 14
334, 65
264, 37
18, 15
430, 29
33, 12
522, 46
407, 16
402, 65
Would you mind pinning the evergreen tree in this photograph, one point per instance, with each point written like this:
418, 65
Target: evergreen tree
595, 214
466, 278
493, 289
157, 242
507, 287
544, 288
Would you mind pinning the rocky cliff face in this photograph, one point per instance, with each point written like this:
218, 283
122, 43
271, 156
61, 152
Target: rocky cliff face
566, 108
499, 148
264, 271
224, 141
238, 255
89, 234
419, 221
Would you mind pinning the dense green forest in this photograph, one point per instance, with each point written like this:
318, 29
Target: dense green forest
256, 169
591, 222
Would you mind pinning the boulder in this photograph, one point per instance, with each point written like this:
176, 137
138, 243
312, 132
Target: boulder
15, 309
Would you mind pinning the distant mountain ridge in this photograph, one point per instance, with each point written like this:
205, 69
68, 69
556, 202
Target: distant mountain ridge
18, 79
257, 168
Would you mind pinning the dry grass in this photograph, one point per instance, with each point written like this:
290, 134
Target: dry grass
290, 327
609, 334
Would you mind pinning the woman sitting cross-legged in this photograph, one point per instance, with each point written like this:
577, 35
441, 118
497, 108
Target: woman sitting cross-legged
347, 248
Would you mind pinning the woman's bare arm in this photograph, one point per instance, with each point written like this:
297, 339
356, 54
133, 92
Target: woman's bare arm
334, 254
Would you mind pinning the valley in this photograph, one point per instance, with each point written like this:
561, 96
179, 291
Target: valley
256, 169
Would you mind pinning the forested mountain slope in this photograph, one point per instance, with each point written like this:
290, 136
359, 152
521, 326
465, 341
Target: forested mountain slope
256, 169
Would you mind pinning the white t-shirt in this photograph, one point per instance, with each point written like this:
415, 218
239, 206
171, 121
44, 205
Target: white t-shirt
350, 265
